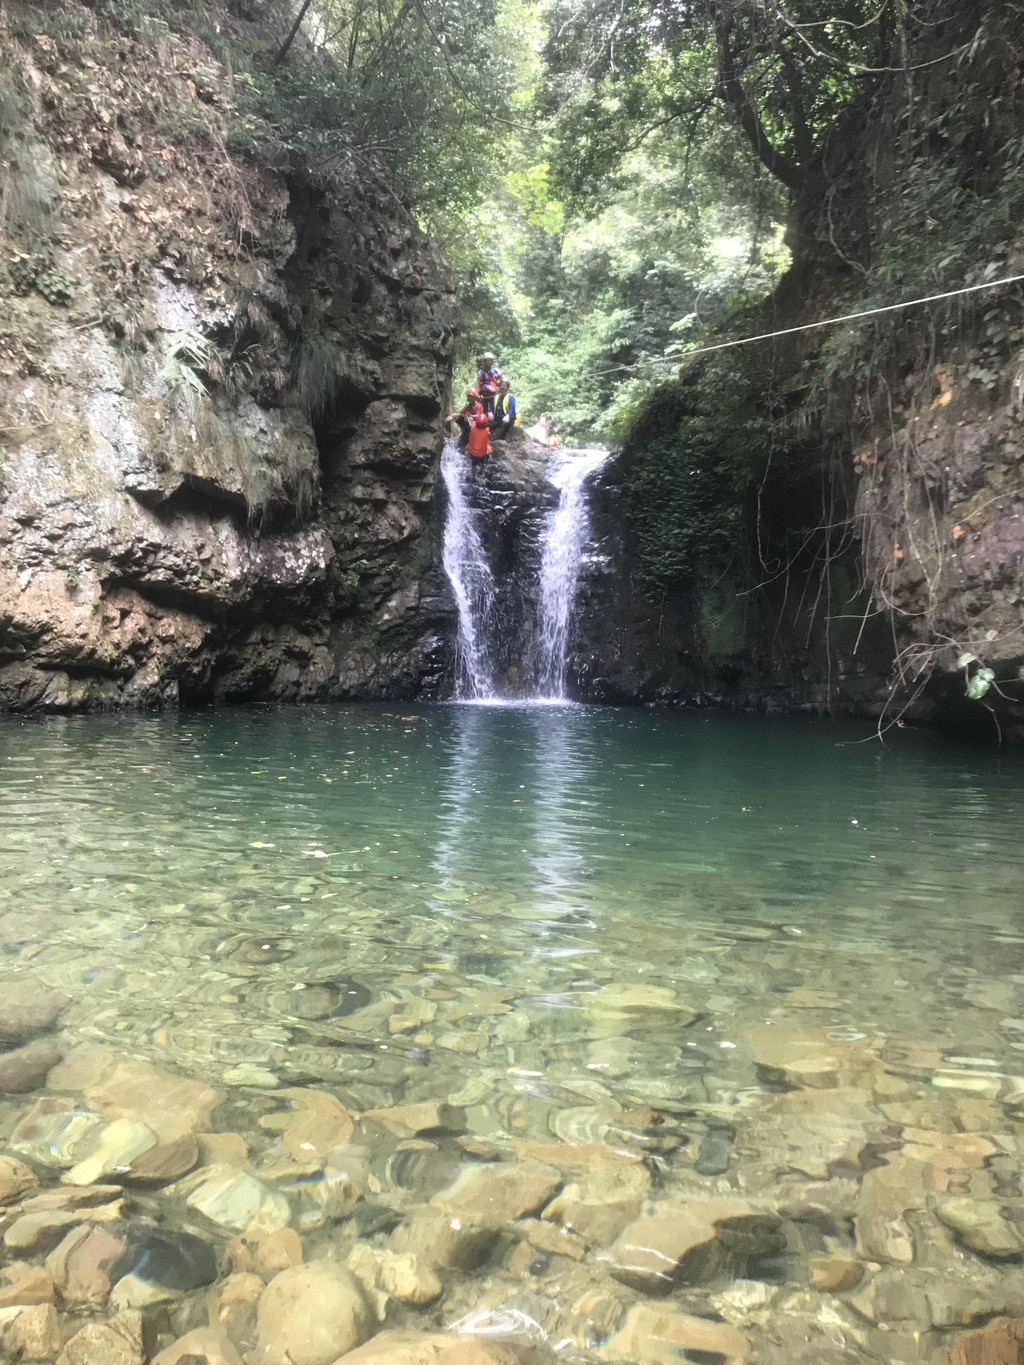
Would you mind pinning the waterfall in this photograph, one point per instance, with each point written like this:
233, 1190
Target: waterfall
566, 533
470, 576
526, 621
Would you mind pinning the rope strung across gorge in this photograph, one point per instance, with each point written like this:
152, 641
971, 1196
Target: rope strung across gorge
848, 317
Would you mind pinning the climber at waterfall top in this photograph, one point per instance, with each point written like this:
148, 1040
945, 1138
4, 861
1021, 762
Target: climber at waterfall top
478, 447
487, 380
503, 418
471, 408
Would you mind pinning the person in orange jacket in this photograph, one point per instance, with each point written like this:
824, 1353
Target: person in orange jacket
478, 447
471, 408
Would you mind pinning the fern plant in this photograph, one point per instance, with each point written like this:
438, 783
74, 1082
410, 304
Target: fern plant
188, 356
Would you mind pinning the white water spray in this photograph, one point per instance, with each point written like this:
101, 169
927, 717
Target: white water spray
566, 534
470, 576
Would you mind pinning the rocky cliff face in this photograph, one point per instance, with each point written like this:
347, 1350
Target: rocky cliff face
220, 390
868, 475
715, 642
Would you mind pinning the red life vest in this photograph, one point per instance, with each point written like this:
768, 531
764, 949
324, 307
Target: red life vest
479, 443
487, 380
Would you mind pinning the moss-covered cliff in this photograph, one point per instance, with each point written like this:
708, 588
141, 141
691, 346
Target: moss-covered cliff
220, 386
834, 519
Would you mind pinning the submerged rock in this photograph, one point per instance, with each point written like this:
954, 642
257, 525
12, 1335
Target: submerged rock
25, 1068
980, 1224
115, 1147
21, 1283
494, 1195
390, 1274
410, 1120
691, 1242
445, 1242
160, 1263
431, 1348
314, 1125
27, 1009
1000, 1342
15, 1179
205, 1346
662, 1336
887, 1193
234, 1199
312, 1314
30, 1333
127, 1087
81, 1265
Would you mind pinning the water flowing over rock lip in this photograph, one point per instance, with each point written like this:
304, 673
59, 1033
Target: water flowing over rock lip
515, 541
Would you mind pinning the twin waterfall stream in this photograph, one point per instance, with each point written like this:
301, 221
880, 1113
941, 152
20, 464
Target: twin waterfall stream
564, 535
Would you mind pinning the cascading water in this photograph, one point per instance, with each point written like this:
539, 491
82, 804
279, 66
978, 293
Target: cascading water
566, 533
470, 575
530, 618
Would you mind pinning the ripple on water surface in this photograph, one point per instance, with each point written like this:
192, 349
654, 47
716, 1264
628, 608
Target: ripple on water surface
706, 1027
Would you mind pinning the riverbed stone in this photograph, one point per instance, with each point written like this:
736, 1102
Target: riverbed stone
30, 1333
888, 1193
552, 1239
128, 1087
26, 1067
391, 1274
315, 1124
444, 1241
620, 1007
265, 1252
204, 1346
117, 1341
979, 1223
56, 1133
38, 1231
495, 1195
814, 1058
236, 1300
112, 1150
27, 1009
662, 1336
312, 1314
430, 1348
80, 1265
164, 1161
410, 1120
834, 1274
234, 1199
22, 1283
691, 1242
600, 1202
1000, 1342
16, 1179
160, 1263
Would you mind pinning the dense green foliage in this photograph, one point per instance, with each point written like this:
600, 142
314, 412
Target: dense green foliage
393, 91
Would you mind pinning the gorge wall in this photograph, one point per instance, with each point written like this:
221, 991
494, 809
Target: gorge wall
833, 520
220, 392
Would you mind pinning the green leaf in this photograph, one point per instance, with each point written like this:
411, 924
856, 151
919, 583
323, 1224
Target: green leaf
966, 659
991, 634
977, 687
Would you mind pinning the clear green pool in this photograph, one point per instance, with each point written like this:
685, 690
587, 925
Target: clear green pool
550, 916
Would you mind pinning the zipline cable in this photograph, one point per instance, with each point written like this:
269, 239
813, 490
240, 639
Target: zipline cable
848, 317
